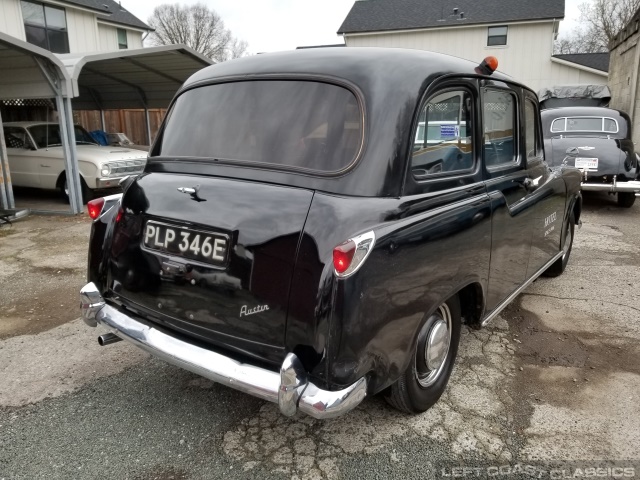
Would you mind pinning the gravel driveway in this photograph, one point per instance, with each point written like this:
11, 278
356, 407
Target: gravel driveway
555, 377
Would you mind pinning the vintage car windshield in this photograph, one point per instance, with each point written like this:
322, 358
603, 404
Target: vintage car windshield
585, 124
284, 123
49, 136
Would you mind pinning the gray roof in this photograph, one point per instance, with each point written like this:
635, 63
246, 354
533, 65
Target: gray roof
597, 61
111, 11
381, 15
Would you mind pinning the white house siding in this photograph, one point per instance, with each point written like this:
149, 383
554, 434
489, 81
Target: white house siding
108, 38
134, 39
11, 19
83, 31
526, 57
567, 75
108, 35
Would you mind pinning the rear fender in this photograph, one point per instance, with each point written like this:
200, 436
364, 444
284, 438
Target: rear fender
99, 246
472, 307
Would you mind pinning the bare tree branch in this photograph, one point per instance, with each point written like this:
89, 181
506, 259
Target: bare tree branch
600, 21
196, 26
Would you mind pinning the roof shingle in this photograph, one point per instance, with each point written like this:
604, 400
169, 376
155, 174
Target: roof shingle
112, 12
597, 61
383, 15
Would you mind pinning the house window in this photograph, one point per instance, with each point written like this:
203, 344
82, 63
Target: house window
122, 39
45, 26
497, 36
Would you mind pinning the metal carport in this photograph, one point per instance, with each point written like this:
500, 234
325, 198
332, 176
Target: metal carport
143, 78
30, 72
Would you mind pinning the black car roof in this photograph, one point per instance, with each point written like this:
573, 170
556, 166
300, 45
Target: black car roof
391, 82
352, 64
582, 112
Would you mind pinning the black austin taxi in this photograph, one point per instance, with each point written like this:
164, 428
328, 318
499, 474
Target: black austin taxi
313, 227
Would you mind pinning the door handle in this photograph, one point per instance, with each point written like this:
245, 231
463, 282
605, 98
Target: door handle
530, 183
45, 166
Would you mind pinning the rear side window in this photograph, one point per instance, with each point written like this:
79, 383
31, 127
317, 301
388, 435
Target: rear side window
287, 124
443, 143
15, 137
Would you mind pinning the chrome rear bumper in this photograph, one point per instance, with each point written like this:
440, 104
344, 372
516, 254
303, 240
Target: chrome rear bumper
290, 388
631, 186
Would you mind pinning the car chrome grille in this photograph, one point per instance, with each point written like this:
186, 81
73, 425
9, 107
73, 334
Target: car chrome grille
127, 167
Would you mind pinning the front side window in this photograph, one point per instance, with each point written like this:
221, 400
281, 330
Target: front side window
531, 127
499, 116
122, 39
497, 36
585, 124
443, 142
291, 124
45, 26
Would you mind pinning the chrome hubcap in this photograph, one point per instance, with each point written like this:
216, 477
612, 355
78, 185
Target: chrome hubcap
66, 188
437, 345
436, 348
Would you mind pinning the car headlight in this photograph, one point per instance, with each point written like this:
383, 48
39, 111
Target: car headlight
105, 169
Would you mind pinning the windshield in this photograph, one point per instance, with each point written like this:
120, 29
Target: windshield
49, 136
299, 124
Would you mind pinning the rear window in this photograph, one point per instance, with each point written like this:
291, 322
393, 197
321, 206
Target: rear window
286, 124
585, 124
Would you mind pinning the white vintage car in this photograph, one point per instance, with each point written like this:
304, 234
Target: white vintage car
36, 159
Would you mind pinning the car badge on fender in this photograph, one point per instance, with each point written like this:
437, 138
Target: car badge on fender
246, 312
586, 148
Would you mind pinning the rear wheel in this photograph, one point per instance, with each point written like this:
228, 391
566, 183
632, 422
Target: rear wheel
626, 199
567, 243
434, 353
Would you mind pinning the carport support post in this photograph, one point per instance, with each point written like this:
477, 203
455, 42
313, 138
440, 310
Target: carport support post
6, 190
146, 116
71, 162
102, 121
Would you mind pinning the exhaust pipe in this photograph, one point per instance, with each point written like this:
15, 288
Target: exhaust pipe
108, 339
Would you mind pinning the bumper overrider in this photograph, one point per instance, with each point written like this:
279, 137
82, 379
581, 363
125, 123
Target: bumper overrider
290, 388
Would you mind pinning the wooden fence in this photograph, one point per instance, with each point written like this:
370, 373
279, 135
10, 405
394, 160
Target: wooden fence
130, 122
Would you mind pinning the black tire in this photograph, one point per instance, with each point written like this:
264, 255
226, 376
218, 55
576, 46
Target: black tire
559, 265
418, 388
86, 192
626, 199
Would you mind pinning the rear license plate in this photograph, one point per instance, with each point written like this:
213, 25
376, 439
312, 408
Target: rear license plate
197, 245
588, 163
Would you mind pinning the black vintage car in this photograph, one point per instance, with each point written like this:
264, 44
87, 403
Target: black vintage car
296, 237
597, 141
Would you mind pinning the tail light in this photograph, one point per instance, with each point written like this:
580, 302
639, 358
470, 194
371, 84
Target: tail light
95, 207
349, 256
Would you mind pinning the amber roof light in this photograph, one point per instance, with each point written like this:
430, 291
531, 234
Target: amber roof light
488, 66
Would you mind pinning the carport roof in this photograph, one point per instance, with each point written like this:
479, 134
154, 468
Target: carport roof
22, 66
147, 77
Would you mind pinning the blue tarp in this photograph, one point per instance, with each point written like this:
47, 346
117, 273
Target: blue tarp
100, 136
